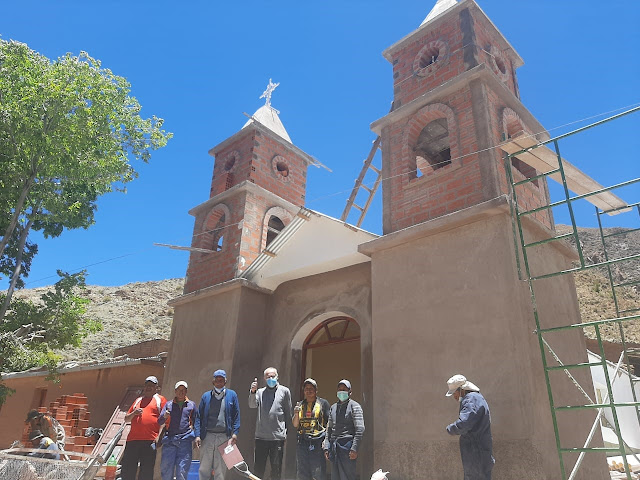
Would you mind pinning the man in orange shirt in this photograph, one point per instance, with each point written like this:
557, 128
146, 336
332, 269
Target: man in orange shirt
141, 441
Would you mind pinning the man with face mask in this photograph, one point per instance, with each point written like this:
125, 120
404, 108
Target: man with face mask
344, 434
218, 422
474, 427
274, 412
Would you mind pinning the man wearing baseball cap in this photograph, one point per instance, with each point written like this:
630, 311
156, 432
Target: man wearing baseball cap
177, 434
40, 441
344, 434
141, 441
48, 425
474, 427
310, 417
218, 421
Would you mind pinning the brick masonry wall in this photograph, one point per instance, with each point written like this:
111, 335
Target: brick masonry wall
206, 269
450, 188
461, 41
259, 158
468, 180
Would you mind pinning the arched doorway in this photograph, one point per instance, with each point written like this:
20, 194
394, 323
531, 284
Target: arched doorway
330, 353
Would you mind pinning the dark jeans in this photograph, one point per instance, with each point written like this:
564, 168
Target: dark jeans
343, 467
138, 451
268, 448
310, 461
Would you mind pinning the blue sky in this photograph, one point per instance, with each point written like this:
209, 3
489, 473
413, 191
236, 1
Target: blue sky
200, 65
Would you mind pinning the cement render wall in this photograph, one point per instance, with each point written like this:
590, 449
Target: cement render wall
244, 331
452, 303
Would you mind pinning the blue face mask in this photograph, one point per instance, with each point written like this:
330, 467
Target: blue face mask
272, 382
343, 396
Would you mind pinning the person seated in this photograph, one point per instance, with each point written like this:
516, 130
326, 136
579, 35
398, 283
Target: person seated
42, 442
48, 425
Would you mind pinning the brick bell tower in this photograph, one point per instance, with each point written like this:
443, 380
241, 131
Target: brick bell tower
258, 186
455, 98
445, 291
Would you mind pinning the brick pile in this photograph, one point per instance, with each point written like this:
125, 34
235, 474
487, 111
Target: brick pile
72, 412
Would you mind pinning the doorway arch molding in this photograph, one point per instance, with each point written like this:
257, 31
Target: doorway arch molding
307, 325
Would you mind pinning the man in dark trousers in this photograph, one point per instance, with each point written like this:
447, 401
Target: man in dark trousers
310, 417
344, 434
274, 412
141, 441
474, 427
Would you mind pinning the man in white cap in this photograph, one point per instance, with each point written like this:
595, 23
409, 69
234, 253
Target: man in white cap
474, 427
141, 441
177, 434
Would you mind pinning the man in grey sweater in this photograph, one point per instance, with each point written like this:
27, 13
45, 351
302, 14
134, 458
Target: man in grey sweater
274, 411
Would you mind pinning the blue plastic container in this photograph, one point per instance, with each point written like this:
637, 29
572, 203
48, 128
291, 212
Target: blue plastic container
193, 471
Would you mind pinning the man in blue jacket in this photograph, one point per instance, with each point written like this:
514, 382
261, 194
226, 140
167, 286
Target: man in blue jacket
218, 422
474, 427
177, 420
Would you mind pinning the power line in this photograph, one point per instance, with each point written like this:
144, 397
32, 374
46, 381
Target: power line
205, 232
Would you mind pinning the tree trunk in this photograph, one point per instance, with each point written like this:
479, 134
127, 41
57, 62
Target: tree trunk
16, 214
16, 272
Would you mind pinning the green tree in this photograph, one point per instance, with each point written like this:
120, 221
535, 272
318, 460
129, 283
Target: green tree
68, 130
31, 331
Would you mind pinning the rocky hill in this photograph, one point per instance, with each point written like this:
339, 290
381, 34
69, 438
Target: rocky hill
130, 314
593, 286
138, 311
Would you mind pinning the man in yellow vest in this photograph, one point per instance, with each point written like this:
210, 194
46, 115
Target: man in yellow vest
310, 418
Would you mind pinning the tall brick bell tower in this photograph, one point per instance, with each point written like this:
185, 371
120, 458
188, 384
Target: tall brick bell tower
455, 98
258, 185
446, 297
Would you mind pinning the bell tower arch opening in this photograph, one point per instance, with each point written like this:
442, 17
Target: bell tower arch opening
330, 353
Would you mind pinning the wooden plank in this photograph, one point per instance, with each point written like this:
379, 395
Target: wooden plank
116, 421
544, 160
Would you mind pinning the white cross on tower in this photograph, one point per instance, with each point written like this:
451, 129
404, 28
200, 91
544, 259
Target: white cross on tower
268, 92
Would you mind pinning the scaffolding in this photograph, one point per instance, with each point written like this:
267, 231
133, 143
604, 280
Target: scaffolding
606, 204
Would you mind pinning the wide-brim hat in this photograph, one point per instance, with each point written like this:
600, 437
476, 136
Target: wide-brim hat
460, 382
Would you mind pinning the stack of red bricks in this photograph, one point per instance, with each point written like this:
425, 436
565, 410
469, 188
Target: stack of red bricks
72, 412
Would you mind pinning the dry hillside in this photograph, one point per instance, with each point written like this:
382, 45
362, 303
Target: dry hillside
138, 311
130, 314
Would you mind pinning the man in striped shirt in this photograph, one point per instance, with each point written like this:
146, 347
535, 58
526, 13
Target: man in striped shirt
344, 434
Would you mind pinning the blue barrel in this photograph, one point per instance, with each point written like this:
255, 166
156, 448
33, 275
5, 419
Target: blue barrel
193, 471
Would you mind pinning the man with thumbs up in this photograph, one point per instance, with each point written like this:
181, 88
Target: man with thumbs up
274, 412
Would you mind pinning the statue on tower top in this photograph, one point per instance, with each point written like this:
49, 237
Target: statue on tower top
268, 92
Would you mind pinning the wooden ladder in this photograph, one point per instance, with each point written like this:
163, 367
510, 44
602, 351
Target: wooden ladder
351, 202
